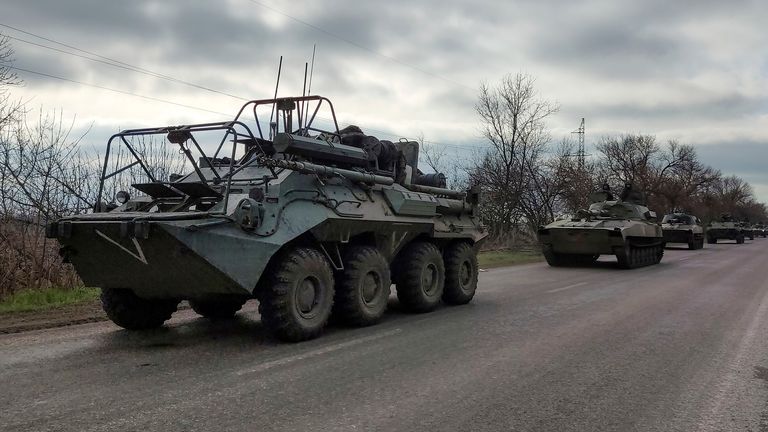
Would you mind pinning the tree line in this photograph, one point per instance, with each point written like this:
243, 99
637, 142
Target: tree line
528, 180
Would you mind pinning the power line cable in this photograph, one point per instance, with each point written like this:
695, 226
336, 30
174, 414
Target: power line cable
110, 61
114, 90
127, 66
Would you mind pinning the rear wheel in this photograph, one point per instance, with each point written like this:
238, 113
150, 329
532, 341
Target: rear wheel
362, 289
219, 307
460, 274
420, 277
132, 312
296, 302
711, 240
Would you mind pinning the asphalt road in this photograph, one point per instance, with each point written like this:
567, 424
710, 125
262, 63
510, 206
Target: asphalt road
681, 346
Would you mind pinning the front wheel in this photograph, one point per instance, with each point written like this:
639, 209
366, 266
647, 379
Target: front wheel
296, 302
460, 274
132, 312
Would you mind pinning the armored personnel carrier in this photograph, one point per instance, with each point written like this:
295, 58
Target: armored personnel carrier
683, 228
626, 229
725, 229
307, 218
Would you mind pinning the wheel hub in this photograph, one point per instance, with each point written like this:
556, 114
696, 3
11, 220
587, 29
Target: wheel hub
371, 287
429, 278
465, 273
307, 296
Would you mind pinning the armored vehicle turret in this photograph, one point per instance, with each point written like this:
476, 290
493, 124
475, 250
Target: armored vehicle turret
305, 217
683, 228
626, 229
725, 229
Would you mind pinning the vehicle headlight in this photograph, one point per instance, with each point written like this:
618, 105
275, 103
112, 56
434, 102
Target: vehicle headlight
122, 197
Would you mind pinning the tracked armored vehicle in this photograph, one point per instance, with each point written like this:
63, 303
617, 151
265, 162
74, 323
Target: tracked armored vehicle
610, 226
309, 220
683, 228
749, 231
725, 229
761, 230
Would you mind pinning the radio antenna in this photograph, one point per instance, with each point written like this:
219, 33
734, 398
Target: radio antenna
273, 126
303, 93
309, 89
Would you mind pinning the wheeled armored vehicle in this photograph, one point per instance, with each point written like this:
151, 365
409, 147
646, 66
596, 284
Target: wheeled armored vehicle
683, 228
625, 229
305, 217
725, 229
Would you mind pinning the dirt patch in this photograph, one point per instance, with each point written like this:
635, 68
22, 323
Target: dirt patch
78, 313
72, 314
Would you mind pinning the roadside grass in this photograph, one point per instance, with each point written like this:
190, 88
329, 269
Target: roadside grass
501, 258
38, 299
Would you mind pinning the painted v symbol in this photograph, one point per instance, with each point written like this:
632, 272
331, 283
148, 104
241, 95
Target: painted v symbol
139, 255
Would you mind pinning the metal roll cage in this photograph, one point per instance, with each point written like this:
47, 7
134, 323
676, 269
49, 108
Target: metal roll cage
235, 129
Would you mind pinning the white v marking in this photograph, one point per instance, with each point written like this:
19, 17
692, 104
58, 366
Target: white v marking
140, 253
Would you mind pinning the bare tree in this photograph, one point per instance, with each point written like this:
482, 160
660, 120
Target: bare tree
513, 122
439, 160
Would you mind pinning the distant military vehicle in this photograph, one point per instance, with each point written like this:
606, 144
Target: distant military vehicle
761, 230
308, 220
725, 229
749, 231
621, 227
683, 228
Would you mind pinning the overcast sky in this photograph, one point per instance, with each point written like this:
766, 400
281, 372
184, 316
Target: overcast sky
696, 71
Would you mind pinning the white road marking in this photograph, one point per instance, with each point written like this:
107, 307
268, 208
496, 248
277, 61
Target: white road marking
318, 352
140, 253
567, 287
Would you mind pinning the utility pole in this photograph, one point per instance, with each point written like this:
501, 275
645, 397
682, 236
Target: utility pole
580, 156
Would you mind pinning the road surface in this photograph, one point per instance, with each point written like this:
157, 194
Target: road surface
682, 346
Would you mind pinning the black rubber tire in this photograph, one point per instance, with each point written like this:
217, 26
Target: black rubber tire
218, 308
300, 272
132, 312
418, 265
363, 287
553, 259
461, 272
711, 240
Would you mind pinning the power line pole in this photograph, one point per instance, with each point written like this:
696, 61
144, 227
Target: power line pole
580, 154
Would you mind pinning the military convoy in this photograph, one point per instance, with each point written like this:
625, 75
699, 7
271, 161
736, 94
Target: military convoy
683, 228
312, 222
309, 220
623, 227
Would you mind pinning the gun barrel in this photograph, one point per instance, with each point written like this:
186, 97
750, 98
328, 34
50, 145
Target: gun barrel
327, 171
